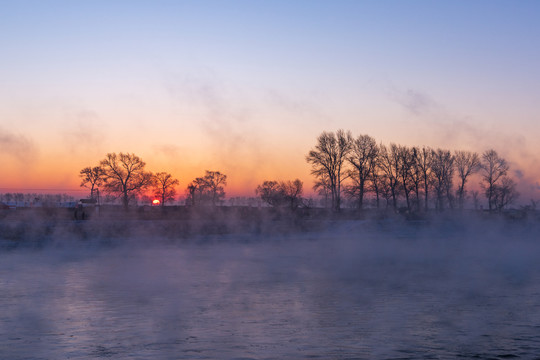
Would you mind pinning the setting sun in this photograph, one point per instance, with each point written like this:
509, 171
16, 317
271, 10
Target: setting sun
156, 202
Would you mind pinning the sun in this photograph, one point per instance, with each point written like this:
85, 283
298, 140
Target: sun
156, 202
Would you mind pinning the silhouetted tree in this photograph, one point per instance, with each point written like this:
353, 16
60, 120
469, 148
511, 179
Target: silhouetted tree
164, 186
281, 193
416, 177
505, 193
208, 189
125, 176
389, 164
92, 177
271, 193
443, 171
192, 191
467, 163
385, 189
323, 189
293, 192
362, 157
404, 167
215, 182
328, 160
424, 161
375, 182
493, 169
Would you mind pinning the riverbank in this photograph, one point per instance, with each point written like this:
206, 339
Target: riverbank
38, 227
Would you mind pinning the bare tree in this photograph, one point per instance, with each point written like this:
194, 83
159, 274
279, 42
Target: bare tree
292, 191
209, 189
215, 182
404, 166
281, 193
271, 193
493, 169
385, 189
424, 161
363, 158
92, 177
164, 186
416, 177
389, 165
328, 160
443, 171
323, 188
375, 182
467, 163
125, 175
194, 192
505, 193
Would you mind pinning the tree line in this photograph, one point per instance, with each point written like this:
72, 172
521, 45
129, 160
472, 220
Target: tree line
355, 168
419, 177
124, 176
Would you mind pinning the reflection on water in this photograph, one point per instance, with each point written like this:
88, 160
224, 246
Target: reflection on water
327, 299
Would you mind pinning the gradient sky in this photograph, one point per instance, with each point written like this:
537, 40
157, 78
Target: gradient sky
245, 87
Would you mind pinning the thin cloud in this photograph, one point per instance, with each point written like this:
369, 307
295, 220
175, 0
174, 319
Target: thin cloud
294, 106
17, 146
84, 132
168, 150
228, 127
414, 101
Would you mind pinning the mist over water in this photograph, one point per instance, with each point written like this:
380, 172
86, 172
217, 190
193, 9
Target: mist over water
362, 290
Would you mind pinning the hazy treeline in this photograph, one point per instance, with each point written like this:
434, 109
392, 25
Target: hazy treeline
415, 178
34, 199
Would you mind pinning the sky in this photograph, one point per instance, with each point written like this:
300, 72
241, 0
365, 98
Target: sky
245, 87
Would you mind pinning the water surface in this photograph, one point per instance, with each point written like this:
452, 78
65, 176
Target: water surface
328, 297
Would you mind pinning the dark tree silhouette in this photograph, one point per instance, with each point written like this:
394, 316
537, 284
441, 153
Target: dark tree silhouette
215, 182
292, 191
281, 193
208, 189
363, 157
328, 160
125, 176
389, 164
322, 187
164, 187
385, 189
92, 177
416, 176
271, 193
443, 172
376, 181
493, 168
193, 191
467, 163
405, 165
504, 193
424, 161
